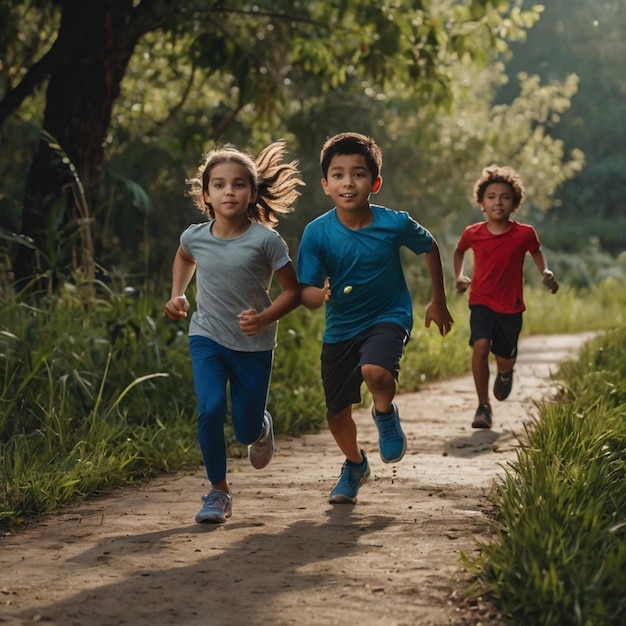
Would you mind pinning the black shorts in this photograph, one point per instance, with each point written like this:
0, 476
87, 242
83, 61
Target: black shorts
501, 329
382, 344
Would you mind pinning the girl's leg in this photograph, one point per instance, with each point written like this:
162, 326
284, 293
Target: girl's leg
250, 374
210, 375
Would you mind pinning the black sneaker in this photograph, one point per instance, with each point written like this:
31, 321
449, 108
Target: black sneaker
503, 385
482, 419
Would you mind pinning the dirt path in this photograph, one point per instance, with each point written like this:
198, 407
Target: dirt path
287, 556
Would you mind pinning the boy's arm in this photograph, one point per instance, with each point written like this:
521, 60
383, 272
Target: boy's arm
437, 309
548, 276
182, 271
461, 282
314, 297
250, 322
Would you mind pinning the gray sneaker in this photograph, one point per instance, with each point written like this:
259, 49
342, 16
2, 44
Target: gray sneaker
261, 451
217, 507
352, 477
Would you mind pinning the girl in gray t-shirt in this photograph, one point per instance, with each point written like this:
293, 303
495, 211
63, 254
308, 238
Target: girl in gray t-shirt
232, 333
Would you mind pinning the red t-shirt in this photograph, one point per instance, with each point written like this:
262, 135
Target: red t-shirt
497, 278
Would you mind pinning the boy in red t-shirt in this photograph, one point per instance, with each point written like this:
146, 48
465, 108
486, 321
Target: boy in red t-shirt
499, 246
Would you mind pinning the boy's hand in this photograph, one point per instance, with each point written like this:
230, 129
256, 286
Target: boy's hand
176, 308
438, 312
462, 283
549, 281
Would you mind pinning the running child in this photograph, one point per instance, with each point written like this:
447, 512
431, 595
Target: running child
349, 260
232, 333
499, 246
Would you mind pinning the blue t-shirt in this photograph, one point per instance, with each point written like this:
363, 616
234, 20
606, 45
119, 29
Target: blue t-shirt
364, 267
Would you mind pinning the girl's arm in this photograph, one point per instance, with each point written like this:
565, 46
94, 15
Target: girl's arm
251, 322
182, 271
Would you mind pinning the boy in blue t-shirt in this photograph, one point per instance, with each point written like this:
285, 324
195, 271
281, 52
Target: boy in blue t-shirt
349, 259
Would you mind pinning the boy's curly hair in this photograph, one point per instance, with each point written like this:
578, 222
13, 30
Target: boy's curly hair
497, 174
274, 181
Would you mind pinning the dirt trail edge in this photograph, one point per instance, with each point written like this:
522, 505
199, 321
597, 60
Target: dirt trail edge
287, 556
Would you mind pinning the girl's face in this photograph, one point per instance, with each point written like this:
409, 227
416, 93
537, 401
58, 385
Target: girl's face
498, 202
229, 191
349, 182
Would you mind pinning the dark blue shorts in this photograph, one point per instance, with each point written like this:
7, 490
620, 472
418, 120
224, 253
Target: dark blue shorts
501, 329
382, 344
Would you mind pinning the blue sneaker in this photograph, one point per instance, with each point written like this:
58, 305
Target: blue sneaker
391, 439
217, 507
261, 451
352, 477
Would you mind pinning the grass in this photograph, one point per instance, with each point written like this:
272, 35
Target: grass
559, 555
96, 391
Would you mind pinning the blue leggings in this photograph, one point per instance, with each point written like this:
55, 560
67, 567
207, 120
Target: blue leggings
248, 373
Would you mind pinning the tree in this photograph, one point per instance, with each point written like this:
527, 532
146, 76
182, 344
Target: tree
584, 37
268, 52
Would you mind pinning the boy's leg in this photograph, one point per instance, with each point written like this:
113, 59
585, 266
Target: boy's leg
343, 429
506, 335
342, 388
342, 382
480, 369
381, 350
482, 320
381, 384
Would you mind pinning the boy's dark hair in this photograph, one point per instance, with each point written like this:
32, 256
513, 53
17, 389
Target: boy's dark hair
352, 143
496, 174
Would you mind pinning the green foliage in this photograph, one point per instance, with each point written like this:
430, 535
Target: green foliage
92, 394
560, 552
230, 72
584, 37
97, 390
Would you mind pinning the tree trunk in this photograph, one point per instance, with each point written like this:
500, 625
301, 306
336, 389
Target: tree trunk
93, 49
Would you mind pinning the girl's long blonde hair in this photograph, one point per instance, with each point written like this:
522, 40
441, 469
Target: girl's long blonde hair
275, 182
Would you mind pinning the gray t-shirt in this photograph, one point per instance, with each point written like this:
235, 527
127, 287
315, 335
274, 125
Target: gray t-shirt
233, 275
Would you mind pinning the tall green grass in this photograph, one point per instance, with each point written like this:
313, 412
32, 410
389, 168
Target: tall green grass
559, 554
96, 386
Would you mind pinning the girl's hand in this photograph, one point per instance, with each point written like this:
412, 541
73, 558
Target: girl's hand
249, 322
176, 308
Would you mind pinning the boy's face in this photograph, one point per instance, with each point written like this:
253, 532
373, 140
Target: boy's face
349, 182
498, 202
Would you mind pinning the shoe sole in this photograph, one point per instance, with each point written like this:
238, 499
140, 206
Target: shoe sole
212, 519
481, 423
264, 463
